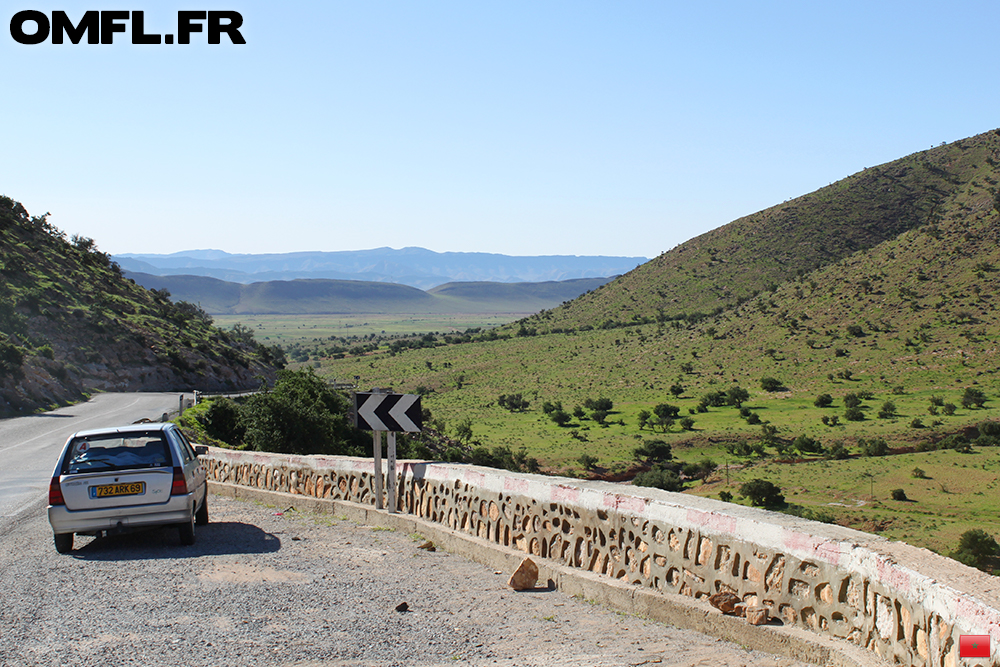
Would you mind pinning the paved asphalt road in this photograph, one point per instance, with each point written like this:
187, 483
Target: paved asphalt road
29, 445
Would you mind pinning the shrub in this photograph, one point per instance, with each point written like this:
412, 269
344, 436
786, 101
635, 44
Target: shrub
837, 452
823, 401
973, 398
512, 402
873, 447
855, 330
605, 404
916, 422
301, 414
887, 411
701, 469
976, 548
560, 417
806, 445
742, 448
222, 421
588, 461
854, 414
725, 496
687, 423
991, 428
948, 409
736, 396
667, 480
762, 493
851, 400
653, 451
771, 384
898, 494
918, 473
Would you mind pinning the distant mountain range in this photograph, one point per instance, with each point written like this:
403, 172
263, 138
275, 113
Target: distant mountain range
318, 295
416, 267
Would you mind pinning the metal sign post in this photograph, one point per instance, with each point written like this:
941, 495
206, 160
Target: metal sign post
391, 473
377, 449
381, 411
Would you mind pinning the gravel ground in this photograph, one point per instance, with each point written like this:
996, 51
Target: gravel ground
266, 587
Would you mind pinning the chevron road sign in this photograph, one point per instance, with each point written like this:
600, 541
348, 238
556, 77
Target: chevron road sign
387, 412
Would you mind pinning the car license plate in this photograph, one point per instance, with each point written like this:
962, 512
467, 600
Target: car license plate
110, 490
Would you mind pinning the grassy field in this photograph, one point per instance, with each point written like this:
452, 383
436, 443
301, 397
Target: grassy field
957, 492
303, 329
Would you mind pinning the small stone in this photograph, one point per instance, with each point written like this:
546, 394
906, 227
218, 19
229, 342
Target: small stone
725, 601
402, 606
757, 615
428, 546
525, 576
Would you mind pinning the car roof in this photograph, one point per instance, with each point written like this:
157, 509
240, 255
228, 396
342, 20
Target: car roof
124, 430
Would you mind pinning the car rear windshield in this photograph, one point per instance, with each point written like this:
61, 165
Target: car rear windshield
116, 452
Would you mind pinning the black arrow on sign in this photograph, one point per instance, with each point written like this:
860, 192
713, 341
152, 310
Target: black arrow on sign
388, 412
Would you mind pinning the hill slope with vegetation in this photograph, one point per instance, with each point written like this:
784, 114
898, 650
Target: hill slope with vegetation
70, 324
730, 264
891, 349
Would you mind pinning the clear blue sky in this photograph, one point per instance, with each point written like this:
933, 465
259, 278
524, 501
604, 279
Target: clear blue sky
525, 128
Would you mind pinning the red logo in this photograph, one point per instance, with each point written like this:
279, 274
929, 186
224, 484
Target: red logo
974, 646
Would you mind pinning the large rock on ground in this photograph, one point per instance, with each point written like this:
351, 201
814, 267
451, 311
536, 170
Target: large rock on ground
525, 576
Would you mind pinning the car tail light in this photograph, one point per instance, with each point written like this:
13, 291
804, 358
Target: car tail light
55, 492
179, 486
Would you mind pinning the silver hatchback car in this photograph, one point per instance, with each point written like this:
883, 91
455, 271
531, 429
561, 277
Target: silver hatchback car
118, 479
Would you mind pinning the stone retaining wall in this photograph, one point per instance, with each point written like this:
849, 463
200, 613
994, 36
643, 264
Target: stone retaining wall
907, 605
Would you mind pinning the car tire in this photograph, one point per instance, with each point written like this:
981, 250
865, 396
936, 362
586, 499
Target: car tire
187, 532
201, 516
64, 542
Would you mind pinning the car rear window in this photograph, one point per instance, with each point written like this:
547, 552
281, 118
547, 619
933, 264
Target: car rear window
116, 452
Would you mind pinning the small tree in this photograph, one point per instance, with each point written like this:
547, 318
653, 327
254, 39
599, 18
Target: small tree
737, 396
677, 390
762, 493
771, 384
854, 414
560, 417
806, 445
463, 431
823, 401
973, 398
653, 451
588, 461
898, 494
667, 480
976, 548
873, 447
887, 411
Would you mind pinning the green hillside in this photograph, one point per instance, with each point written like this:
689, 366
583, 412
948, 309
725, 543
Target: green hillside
71, 324
734, 262
907, 326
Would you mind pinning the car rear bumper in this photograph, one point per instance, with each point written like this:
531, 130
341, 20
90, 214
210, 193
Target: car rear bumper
178, 509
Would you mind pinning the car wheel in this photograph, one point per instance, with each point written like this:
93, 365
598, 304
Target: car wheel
64, 542
187, 532
201, 517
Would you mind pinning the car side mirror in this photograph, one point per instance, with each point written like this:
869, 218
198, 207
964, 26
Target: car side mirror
201, 450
